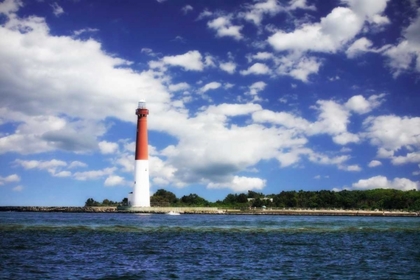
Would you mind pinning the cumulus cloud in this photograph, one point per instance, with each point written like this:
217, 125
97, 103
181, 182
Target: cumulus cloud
38, 164
333, 119
186, 9
179, 87
18, 188
240, 184
9, 179
229, 67
298, 67
262, 56
114, 180
256, 12
382, 182
85, 30
224, 28
256, 87
191, 61
358, 47
353, 168
210, 86
406, 54
361, 105
10, 6
57, 9
257, 69
374, 163
77, 164
108, 147
391, 133
93, 174
52, 166
281, 118
413, 157
299, 4
329, 35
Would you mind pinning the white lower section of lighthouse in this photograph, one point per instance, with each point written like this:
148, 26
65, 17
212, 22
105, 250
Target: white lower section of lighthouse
141, 191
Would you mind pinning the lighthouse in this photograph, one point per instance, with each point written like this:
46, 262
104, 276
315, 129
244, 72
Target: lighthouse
140, 197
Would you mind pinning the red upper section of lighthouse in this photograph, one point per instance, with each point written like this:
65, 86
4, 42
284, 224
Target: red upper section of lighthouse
142, 152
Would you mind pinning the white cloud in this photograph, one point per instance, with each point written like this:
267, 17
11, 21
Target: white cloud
9, 179
191, 61
390, 133
62, 174
93, 174
10, 6
257, 11
359, 46
114, 180
374, 163
179, 87
224, 28
413, 157
229, 67
298, 67
257, 69
41, 165
18, 188
406, 53
204, 14
333, 119
210, 86
345, 138
76, 164
240, 184
333, 31
108, 147
352, 168
361, 105
57, 9
209, 61
382, 182
300, 4
52, 166
256, 87
186, 9
369, 9
262, 56
86, 30
281, 118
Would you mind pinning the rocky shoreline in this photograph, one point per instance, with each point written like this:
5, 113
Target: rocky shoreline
205, 210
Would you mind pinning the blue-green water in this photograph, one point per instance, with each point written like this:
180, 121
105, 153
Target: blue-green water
130, 246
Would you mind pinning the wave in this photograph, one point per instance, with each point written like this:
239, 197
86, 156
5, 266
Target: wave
202, 229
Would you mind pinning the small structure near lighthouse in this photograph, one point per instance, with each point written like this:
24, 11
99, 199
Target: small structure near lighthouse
140, 197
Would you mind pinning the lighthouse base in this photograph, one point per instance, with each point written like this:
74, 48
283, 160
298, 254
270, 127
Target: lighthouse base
140, 197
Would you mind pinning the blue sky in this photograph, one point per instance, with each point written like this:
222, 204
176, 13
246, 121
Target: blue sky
243, 95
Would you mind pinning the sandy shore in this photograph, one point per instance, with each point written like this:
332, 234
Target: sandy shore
212, 210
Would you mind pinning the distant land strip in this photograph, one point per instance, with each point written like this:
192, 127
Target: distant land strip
211, 210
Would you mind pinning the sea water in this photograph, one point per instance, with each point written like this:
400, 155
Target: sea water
133, 246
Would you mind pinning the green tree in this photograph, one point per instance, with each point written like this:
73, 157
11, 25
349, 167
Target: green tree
194, 200
91, 202
163, 198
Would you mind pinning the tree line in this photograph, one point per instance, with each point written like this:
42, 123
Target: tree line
382, 199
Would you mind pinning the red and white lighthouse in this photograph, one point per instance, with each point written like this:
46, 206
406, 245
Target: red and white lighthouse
140, 197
